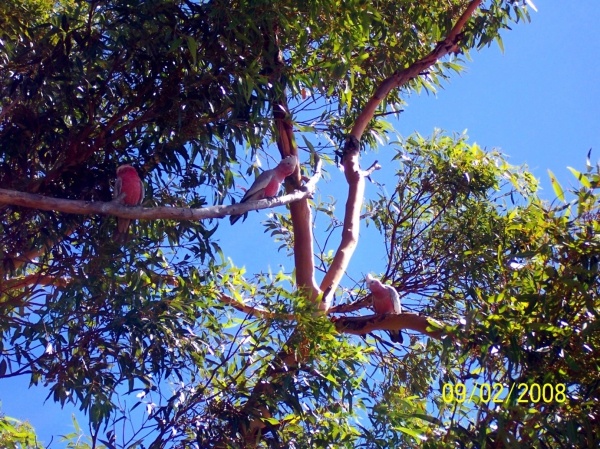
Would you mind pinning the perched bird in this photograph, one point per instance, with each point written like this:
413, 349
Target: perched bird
268, 182
129, 183
385, 300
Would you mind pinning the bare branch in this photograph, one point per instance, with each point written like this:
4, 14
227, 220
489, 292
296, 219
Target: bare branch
361, 325
351, 228
354, 175
374, 166
154, 213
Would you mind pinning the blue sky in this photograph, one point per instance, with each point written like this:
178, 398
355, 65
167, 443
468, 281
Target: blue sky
539, 102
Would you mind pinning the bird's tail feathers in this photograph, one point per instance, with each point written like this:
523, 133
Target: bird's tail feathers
396, 336
234, 218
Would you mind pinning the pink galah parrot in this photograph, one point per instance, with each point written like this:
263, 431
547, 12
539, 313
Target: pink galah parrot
385, 300
268, 182
129, 183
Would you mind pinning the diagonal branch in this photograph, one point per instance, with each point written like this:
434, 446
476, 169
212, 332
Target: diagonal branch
255, 311
351, 307
448, 45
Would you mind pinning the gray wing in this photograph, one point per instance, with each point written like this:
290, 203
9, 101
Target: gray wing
118, 185
259, 183
395, 297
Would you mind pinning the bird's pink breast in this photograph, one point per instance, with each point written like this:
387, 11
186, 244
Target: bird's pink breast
383, 304
132, 187
272, 188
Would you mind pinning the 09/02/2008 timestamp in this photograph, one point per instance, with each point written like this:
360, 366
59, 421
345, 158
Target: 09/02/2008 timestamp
526, 393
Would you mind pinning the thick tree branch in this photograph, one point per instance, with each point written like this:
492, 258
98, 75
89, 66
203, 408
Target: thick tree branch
448, 45
155, 213
350, 231
34, 279
300, 211
361, 325
351, 325
284, 135
301, 215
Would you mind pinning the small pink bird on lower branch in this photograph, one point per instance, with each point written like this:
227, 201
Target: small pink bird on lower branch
385, 300
129, 183
268, 182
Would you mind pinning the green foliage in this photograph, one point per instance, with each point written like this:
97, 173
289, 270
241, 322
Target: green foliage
15, 434
519, 279
78, 440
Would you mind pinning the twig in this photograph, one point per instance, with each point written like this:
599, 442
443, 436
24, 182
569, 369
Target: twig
253, 310
374, 166
356, 305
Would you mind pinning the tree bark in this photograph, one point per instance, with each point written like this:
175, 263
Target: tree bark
361, 325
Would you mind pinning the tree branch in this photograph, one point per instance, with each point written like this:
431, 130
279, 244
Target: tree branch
448, 45
374, 166
300, 211
351, 325
356, 305
47, 280
155, 213
361, 325
258, 312
34, 279
351, 227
